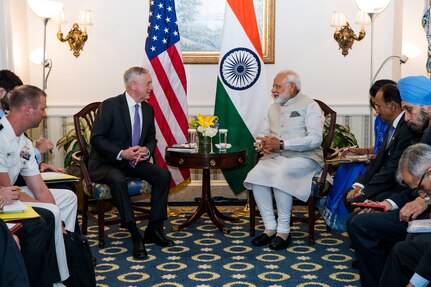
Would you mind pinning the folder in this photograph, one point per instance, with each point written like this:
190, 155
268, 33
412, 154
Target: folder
14, 226
56, 177
26, 214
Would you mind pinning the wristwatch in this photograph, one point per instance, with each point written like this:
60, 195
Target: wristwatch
427, 200
281, 144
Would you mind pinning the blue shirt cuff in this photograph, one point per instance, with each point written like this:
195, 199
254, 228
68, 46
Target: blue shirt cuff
37, 155
419, 281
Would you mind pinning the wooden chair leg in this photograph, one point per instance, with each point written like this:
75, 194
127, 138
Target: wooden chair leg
85, 214
311, 219
252, 206
101, 222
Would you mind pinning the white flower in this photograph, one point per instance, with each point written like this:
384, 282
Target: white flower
201, 129
210, 132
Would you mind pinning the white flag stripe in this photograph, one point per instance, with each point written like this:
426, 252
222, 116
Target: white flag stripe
250, 113
168, 114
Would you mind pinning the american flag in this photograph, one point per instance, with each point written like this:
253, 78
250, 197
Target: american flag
169, 99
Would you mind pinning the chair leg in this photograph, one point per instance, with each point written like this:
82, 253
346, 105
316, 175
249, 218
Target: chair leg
252, 207
311, 219
85, 214
101, 222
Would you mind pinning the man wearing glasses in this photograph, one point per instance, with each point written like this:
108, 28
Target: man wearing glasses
409, 262
373, 234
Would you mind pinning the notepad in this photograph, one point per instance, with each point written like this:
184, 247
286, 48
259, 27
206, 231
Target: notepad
17, 206
419, 226
51, 177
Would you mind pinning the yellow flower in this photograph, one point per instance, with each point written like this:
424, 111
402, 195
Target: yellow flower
206, 121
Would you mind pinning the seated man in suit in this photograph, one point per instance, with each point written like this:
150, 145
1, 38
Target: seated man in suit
373, 234
12, 268
378, 181
410, 261
27, 109
123, 139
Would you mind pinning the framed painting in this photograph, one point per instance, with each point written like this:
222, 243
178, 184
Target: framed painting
202, 24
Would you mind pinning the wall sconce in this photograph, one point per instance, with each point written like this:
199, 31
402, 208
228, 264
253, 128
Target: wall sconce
344, 35
76, 38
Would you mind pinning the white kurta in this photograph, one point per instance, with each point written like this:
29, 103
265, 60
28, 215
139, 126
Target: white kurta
17, 157
299, 122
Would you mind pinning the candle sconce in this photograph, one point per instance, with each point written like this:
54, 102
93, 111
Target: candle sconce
76, 37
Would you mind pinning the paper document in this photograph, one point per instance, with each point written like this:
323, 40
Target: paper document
419, 226
17, 206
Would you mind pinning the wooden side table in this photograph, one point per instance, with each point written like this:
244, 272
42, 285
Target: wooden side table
206, 162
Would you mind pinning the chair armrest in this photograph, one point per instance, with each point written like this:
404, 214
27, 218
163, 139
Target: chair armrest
85, 176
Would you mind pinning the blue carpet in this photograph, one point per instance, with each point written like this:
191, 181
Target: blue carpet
205, 257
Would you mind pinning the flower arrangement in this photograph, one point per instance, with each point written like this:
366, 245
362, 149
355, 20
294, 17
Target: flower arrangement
205, 125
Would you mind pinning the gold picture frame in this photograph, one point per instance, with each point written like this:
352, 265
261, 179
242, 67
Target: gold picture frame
266, 9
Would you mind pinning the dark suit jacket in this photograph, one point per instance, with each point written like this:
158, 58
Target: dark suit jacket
407, 194
112, 132
380, 173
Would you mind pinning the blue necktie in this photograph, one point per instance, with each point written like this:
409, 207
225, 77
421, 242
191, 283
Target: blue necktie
136, 133
390, 134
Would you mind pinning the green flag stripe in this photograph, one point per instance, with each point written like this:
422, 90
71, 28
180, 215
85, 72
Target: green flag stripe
238, 135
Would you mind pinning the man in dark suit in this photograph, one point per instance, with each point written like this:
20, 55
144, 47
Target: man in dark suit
378, 180
12, 268
123, 139
410, 261
373, 234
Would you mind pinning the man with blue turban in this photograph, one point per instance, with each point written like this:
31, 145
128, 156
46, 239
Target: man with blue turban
373, 234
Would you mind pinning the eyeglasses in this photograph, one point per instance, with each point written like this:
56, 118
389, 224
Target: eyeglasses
417, 189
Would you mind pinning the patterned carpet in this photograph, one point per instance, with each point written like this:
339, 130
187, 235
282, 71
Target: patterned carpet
205, 257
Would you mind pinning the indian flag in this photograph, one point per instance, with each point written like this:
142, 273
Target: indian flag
242, 96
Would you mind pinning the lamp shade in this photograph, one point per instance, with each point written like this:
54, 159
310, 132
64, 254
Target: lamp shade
46, 9
363, 18
85, 17
338, 19
411, 50
36, 57
372, 6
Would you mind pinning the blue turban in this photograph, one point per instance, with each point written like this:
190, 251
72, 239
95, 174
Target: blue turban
415, 90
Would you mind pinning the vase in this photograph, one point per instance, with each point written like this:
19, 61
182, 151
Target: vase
205, 144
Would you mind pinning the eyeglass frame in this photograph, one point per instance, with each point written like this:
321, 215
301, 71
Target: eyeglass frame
418, 188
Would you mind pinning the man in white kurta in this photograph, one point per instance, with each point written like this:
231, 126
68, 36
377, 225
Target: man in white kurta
27, 109
292, 156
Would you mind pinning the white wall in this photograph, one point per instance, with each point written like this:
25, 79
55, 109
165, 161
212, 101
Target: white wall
304, 43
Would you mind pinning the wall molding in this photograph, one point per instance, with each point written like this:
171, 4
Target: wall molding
342, 109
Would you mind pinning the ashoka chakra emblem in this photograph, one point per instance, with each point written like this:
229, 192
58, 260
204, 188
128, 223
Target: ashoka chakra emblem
240, 68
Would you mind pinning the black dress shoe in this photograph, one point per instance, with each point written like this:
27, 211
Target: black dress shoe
139, 251
262, 240
279, 243
157, 237
355, 264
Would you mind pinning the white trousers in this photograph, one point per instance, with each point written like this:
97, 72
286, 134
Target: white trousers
263, 196
65, 211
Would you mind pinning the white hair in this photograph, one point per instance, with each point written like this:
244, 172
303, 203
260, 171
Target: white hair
291, 77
